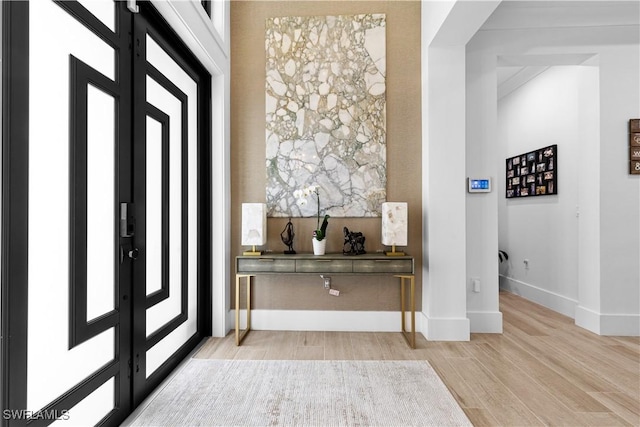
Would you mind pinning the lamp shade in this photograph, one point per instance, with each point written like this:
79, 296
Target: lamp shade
254, 224
394, 223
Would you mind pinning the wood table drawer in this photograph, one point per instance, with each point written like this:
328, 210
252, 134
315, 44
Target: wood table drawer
394, 266
265, 265
324, 266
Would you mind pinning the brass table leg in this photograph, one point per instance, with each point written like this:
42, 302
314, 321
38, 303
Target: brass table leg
410, 336
240, 334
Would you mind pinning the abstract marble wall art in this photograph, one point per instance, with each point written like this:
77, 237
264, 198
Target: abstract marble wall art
326, 114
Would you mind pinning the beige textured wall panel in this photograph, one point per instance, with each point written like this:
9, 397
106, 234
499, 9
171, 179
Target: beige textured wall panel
248, 179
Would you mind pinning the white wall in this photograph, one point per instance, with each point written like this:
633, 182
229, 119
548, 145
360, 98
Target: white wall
605, 284
589, 214
482, 208
619, 310
447, 27
544, 230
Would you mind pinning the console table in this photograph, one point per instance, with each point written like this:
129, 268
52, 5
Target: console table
401, 267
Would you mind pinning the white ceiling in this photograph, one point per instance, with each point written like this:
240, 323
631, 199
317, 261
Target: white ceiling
516, 70
516, 14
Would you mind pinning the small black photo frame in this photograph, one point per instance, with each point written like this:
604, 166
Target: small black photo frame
533, 174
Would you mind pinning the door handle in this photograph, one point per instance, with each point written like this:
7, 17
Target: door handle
131, 253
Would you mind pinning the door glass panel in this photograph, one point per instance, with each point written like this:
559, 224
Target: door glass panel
154, 206
160, 352
90, 410
100, 203
52, 367
48, 381
105, 11
176, 97
164, 311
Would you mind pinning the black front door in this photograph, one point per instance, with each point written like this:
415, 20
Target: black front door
104, 130
169, 120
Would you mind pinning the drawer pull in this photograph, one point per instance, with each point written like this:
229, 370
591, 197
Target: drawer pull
383, 260
324, 260
266, 260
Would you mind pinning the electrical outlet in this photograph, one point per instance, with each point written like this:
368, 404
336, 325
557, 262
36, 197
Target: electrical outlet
327, 281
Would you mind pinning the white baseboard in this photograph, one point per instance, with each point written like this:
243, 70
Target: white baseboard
445, 329
545, 298
486, 322
600, 323
627, 325
587, 319
321, 320
434, 329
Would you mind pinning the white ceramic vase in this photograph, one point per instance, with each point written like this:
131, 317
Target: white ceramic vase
319, 246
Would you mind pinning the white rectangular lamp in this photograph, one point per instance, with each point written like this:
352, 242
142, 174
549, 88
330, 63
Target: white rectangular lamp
394, 226
254, 226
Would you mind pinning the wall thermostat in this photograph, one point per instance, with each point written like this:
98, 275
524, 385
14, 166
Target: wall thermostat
479, 185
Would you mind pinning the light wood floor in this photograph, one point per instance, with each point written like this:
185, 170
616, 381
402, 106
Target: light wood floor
543, 370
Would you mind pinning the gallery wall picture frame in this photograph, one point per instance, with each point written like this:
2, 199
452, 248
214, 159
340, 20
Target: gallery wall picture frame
534, 173
634, 146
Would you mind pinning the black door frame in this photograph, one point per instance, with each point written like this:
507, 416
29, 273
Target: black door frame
150, 21
15, 201
15, 208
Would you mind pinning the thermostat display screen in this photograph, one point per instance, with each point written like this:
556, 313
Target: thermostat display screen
481, 185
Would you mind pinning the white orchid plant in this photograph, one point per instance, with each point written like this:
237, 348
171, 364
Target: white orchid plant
301, 199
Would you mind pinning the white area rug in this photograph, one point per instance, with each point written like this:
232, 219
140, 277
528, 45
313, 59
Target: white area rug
303, 393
